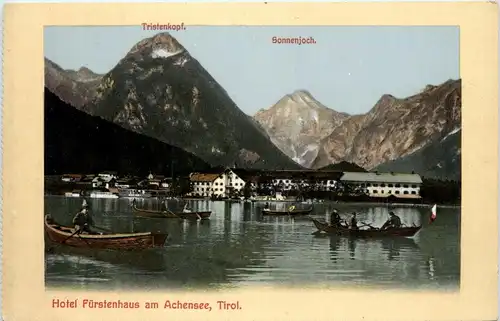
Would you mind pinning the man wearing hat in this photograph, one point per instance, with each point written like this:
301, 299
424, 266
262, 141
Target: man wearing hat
83, 220
335, 219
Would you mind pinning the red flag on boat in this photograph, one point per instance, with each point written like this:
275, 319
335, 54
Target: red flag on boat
433, 213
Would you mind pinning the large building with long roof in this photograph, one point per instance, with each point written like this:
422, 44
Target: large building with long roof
385, 184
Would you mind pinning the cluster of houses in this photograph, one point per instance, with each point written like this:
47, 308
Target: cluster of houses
109, 183
234, 182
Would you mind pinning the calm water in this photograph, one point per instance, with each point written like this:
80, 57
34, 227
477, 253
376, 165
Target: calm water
238, 246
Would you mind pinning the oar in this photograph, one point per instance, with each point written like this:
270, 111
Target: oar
169, 211
367, 224
73, 234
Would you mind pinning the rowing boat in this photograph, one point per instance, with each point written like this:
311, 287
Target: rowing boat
169, 214
129, 241
407, 231
292, 212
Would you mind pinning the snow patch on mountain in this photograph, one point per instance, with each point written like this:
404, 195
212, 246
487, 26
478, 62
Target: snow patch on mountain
314, 115
163, 53
181, 61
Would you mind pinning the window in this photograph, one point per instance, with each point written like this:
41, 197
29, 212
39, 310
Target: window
389, 185
414, 186
397, 185
405, 185
397, 192
413, 192
405, 192
375, 191
375, 185
389, 192
382, 185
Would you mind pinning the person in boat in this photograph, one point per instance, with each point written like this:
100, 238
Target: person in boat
83, 221
354, 222
335, 219
393, 222
266, 207
164, 206
186, 209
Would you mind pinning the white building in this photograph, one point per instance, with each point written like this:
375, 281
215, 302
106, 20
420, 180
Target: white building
218, 184
104, 179
385, 184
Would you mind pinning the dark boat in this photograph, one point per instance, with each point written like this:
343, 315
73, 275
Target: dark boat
372, 232
170, 214
294, 212
129, 241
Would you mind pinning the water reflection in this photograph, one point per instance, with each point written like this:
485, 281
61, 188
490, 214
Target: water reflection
238, 246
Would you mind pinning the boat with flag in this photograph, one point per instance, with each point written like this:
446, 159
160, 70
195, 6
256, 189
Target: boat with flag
368, 231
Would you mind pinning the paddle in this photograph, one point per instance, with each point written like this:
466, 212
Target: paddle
367, 224
73, 234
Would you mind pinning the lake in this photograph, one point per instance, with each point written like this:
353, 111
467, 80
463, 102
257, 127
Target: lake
239, 247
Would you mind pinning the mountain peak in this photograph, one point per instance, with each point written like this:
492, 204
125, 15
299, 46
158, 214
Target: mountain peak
86, 72
161, 45
301, 93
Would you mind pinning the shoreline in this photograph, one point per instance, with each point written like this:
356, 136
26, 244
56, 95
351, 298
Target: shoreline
356, 203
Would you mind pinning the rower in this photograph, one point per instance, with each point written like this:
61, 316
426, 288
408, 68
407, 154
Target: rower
335, 219
266, 207
164, 206
354, 222
83, 220
186, 209
393, 222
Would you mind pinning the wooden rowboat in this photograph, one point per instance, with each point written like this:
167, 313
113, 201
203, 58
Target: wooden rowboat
294, 212
130, 241
367, 233
169, 214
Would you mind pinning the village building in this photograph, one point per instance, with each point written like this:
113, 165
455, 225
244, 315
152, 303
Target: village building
289, 180
385, 184
220, 184
156, 182
104, 180
126, 182
71, 178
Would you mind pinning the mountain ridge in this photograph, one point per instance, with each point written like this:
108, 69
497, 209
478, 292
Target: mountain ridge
391, 129
78, 142
160, 90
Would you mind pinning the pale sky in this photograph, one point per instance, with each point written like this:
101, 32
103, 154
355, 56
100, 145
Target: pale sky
348, 69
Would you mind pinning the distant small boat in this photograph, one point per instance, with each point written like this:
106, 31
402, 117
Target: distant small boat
97, 194
294, 212
132, 193
64, 235
366, 233
170, 214
72, 194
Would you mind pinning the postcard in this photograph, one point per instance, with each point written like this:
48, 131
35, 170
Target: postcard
250, 161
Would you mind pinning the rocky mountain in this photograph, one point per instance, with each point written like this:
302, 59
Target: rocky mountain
439, 159
343, 166
394, 127
297, 123
158, 89
74, 87
78, 142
